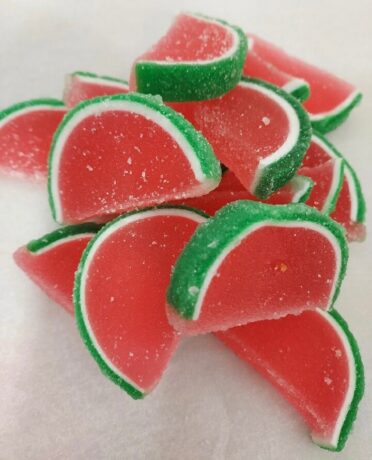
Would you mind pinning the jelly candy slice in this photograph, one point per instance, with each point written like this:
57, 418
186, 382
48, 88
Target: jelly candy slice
199, 58
51, 261
80, 86
254, 261
26, 131
314, 362
120, 294
123, 152
258, 131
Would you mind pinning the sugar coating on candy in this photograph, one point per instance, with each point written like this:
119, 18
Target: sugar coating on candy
267, 262
80, 86
297, 190
256, 67
199, 58
350, 207
51, 261
328, 179
314, 362
123, 152
258, 131
26, 131
120, 294
331, 98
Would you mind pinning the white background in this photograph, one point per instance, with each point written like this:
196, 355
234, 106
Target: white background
54, 403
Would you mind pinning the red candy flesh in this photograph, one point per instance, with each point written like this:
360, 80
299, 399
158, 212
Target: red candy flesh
304, 358
131, 168
25, 141
125, 295
53, 269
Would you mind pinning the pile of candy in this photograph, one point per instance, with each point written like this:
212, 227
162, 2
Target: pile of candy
135, 171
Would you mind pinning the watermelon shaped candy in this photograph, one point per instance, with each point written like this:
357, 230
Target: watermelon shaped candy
256, 67
122, 152
26, 131
80, 86
331, 98
314, 362
297, 190
51, 261
254, 261
258, 131
327, 178
199, 58
349, 210
120, 294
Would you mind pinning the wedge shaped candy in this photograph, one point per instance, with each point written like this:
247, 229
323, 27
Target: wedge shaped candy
258, 131
331, 98
123, 152
350, 207
51, 261
327, 178
256, 67
254, 261
120, 294
297, 190
26, 131
80, 86
314, 362
199, 58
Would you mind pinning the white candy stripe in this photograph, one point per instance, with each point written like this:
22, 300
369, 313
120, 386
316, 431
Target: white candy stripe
110, 230
63, 240
96, 109
294, 84
337, 176
333, 441
230, 52
101, 81
29, 109
348, 101
293, 130
211, 273
301, 185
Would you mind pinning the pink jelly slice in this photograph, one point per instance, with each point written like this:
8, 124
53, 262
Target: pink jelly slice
273, 272
243, 126
190, 39
326, 178
82, 86
327, 92
125, 285
25, 139
53, 267
120, 161
308, 360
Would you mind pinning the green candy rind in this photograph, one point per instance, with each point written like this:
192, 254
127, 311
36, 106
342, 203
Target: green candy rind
60, 234
193, 82
281, 171
361, 213
222, 230
359, 384
307, 191
301, 93
80, 73
105, 368
203, 151
30, 103
332, 121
